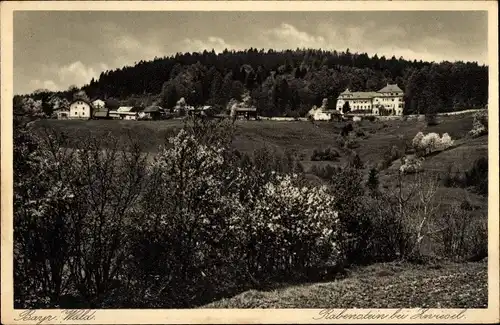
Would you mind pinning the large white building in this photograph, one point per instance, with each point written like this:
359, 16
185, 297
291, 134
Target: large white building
80, 109
389, 98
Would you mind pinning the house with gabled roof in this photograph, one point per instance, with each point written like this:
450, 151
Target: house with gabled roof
153, 112
125, 113
80, 108
389, 99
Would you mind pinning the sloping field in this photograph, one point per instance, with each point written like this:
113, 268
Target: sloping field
390, 285
303, 137
461, 158
299, 136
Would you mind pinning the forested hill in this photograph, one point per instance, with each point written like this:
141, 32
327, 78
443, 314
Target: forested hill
291, 82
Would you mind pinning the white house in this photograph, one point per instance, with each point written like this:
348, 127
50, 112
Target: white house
61, 115
125, 113
389, 98
317, 114
80, 109
322, 113
98, 104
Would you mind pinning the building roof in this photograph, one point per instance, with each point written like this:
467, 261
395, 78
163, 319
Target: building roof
391, 89
246, 109
81, 100
152, 109
101, 114
202, 108
360, 94
116, 113
123, 109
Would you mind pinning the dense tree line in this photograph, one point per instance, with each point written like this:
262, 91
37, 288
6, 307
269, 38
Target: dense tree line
290, 82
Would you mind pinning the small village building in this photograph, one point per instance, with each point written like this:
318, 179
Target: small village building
241, 111
153, 112
80, 109
61, 115
125, 113
102, 114
131, 116
317, 114
321, 114
389, 99
202, 111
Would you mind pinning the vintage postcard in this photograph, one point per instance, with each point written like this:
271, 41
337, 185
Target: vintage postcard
221, 162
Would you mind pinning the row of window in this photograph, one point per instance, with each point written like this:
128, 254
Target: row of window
355, 107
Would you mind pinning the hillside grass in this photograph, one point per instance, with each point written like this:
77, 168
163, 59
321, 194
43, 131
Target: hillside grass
389, 285
303, 137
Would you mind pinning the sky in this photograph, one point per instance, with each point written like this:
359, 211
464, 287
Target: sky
56, 49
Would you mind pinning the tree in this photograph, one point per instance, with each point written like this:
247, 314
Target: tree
346, 108
215, 96
72, 89
373, 181
81, 95
311, 76
169, 96
355, 162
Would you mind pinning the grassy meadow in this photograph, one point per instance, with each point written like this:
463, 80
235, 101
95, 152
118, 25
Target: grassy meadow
371, 141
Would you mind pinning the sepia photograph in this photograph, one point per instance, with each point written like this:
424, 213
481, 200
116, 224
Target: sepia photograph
255, 159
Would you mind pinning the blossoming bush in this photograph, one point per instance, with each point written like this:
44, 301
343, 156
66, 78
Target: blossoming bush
296, 226
431, 142
216, 221
110, 228
71, 208
411, 164
479, 124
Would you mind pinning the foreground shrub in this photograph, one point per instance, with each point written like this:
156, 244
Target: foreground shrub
71, 211
409, 211
463, 235
354, 215
297, 226
105, 228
